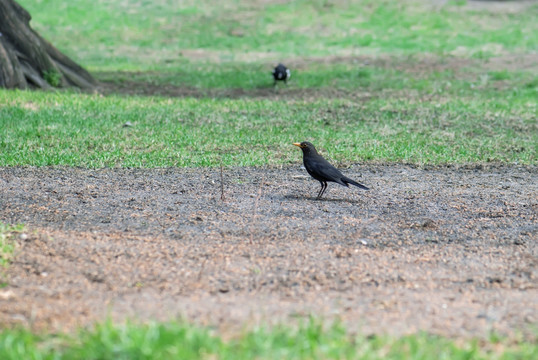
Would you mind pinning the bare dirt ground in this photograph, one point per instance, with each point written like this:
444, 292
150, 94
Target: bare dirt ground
448, 250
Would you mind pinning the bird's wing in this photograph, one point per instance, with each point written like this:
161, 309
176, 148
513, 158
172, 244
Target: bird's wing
321, 169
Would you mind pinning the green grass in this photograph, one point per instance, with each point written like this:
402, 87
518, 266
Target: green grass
178, 340
42, 129
149, 35
7, 244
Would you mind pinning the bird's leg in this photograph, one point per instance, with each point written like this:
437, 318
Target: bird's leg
322, 190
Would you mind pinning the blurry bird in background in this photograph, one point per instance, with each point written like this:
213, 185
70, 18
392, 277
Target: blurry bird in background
281, 73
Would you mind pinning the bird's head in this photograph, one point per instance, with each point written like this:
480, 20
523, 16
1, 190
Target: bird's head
306, 147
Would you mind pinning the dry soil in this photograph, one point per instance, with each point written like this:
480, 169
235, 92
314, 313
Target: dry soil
448, 250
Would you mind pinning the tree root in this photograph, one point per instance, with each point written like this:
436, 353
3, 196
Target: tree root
29, 61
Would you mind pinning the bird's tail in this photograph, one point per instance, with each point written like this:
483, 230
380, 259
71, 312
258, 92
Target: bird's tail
353, 182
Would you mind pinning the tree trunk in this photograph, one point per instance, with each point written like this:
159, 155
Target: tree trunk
28, 60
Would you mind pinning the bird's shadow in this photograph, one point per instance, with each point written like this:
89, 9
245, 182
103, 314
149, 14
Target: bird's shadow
311, 198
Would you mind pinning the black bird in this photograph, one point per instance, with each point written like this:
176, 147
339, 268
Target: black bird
321, 170
281, 73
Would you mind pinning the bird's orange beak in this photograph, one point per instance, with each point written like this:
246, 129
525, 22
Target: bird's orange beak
297, 144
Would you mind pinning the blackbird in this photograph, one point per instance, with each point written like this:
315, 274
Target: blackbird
321, 170
281, 73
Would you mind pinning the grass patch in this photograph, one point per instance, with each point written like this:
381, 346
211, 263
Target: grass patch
178, 340
7, 243
41, 129
152, 35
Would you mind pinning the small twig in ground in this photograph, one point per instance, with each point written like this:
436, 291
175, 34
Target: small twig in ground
222, 198
254, 218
